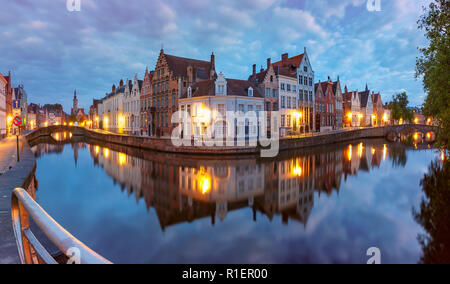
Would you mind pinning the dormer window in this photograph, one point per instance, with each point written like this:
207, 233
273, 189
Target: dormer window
250, 92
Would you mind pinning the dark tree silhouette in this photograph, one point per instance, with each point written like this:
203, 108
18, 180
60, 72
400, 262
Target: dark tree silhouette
434, 215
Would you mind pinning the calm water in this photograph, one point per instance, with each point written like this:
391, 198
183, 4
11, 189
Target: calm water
320, 205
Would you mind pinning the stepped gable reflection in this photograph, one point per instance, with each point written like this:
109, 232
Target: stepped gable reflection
185, 188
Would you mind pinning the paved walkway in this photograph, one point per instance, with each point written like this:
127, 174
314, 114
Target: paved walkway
12, 175
8, 152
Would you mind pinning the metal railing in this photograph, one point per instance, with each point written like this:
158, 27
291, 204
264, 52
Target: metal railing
31, 251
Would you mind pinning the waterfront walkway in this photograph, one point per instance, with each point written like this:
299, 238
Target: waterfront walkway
12, 174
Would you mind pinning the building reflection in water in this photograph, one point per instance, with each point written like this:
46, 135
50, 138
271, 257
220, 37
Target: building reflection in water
183, 189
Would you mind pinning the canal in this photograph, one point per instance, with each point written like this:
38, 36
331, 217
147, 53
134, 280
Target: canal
319, 205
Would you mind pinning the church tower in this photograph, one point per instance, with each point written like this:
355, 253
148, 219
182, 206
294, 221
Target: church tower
75, 103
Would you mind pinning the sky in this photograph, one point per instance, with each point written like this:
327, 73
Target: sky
53, 51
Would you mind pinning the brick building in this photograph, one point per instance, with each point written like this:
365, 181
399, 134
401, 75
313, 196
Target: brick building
172, 77
146, 103
325, 106
266, 80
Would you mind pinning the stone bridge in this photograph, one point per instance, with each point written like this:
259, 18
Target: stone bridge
408, 129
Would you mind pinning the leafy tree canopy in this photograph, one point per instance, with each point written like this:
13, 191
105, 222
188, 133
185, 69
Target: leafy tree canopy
434, 65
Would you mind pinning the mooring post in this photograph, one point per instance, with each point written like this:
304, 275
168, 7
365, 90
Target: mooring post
18, 153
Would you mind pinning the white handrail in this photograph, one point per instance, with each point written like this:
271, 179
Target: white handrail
23, 207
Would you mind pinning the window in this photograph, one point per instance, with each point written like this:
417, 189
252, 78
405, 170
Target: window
305, 69
275, 107
283, 102
241, 108
300, 80
221, 110
271, 78
294, 103
306, 81
268, 92
274, 91
289, 102
288, 87
310, 96
288, 121
283, 87
301, 95
294, 88
250, 107
310, 81
267, 106
173, 100
250, 92
283, 120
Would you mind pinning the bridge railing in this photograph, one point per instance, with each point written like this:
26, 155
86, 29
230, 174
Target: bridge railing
31, 251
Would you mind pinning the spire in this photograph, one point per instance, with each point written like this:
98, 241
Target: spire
75, 94
367, 87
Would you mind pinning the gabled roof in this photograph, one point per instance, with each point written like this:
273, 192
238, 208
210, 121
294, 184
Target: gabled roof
288, 71
179, 65
376, 98
234, 88
259, 76
364, 97
295, 61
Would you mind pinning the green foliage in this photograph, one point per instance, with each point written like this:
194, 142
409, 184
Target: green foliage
54, 107
399, 108
73, 118
434, 66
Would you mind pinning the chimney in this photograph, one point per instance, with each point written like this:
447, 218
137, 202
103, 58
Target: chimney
284, 57
114, 88
346, 90
268, 63
121, 83
254, 70
213, 61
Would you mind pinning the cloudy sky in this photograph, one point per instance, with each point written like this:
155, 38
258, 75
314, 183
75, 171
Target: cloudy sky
53, 51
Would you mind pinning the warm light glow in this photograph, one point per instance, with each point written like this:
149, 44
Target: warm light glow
429, 135
204, 113
105, 122
416, 136
106, 152
96, 118
122, 159
429, 121
385, 151
350, 116
297, 171
373, 151
416, 120
360, 149
360, 115
443, 156
70, 123
385, 117
97, 150
65, 124
57, 136
46, 124
206, 186
10, 118
350, 150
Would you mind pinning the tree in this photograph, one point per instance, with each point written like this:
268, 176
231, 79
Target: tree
73, 118
434, 66
399, 108
434, 214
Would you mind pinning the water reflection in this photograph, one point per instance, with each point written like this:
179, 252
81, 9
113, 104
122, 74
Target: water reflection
362, 204
185, 188
434, 214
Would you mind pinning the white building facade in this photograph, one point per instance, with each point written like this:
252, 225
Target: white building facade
208, 102
291, 118
111, 110
131, 106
